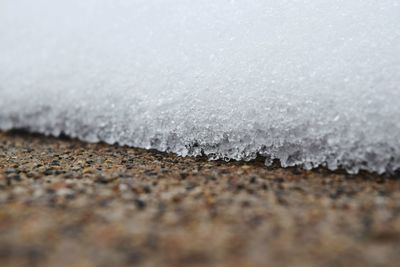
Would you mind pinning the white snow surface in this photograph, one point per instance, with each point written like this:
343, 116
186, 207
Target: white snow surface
307, 82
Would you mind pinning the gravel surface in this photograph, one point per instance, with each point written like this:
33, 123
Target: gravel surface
68, 203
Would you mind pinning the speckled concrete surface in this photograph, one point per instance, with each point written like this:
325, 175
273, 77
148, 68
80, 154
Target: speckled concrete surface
67, 203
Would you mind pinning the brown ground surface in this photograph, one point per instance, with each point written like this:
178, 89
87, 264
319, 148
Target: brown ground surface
67, 203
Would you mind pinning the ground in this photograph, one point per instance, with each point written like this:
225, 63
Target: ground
67, 203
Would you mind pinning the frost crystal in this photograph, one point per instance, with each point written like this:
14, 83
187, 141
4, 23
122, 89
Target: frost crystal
307, 82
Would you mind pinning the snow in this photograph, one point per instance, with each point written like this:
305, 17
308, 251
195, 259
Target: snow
308, 82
